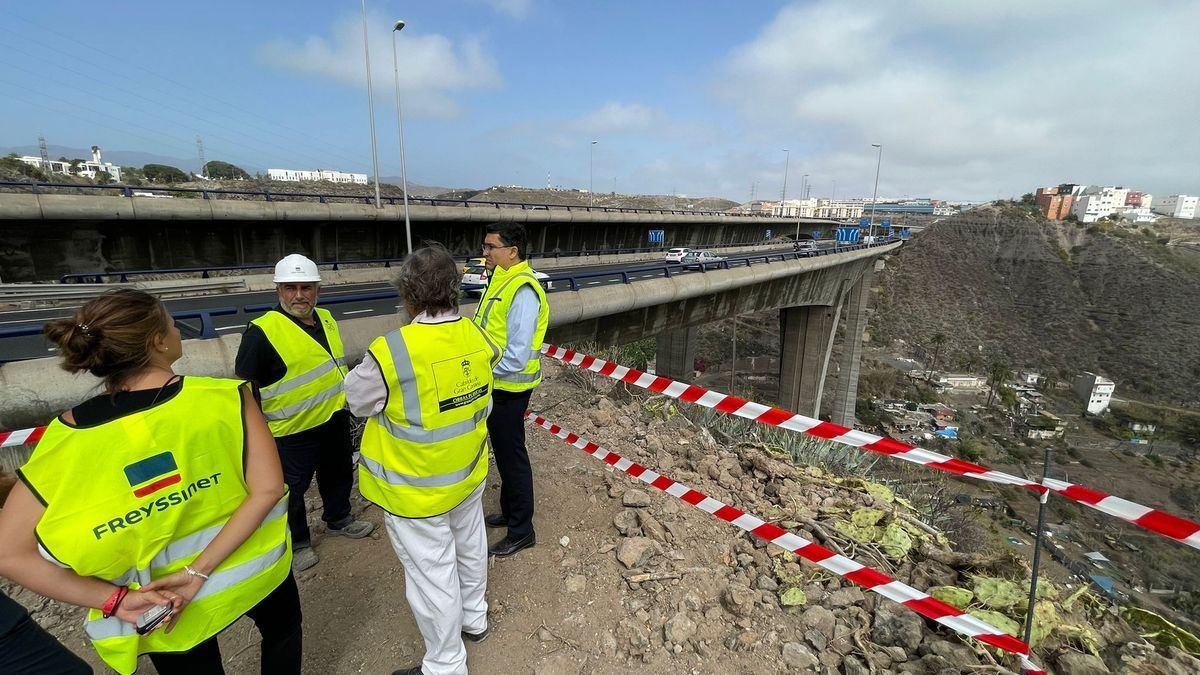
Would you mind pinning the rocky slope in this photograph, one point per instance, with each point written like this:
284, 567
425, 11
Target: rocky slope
1058, 297
627, 579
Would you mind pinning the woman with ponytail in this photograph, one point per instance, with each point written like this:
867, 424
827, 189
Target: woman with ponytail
161, 495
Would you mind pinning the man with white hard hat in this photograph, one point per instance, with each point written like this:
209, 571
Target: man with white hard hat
294, 355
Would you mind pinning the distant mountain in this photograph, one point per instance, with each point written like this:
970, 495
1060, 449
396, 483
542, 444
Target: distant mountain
418, 190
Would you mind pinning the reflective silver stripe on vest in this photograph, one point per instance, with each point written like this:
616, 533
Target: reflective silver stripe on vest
187, 547
306, 404
443, 480
313, 375
112, 627
402, 363
340, 361
535, 353
521, 378
418, 434
496, 298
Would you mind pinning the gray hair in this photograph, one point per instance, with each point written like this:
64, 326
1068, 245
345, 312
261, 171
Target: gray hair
429, 280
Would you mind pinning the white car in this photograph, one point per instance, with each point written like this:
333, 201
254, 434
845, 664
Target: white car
695, 259
675, 255
475, 279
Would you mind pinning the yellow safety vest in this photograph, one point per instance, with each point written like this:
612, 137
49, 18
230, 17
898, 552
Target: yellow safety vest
139, 497
492, 315
310, 392
426, 451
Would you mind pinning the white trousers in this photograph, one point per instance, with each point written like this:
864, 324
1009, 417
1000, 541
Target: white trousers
445, 577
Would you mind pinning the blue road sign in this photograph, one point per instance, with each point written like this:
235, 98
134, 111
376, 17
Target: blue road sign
848, 235
864, 222
657, 236
767, 234
816, 234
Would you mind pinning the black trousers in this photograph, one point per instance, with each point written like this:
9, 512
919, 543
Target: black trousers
506, 426
326, 452
28, 649
279, 621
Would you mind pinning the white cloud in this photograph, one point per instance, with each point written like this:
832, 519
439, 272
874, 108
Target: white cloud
972, 100
615, 118
517, 9
433, 69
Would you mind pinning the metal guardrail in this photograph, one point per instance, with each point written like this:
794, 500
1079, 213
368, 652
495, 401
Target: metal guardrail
48, 292
205, 272
207, 330
668, 269
130, 191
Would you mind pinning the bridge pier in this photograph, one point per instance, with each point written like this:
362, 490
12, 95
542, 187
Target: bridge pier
806, 341
846, 395
675, 354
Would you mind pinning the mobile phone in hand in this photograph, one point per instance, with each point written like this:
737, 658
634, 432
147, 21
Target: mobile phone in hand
152, 618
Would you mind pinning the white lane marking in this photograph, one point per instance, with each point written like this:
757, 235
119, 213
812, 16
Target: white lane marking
234, 327
592, 283
357, 311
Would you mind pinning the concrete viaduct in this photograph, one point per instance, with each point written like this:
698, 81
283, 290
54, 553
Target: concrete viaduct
44, 236
810, 294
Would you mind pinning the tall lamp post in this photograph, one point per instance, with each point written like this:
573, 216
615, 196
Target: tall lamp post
591, 162
787, 158
875, 194
371, 104
400, 127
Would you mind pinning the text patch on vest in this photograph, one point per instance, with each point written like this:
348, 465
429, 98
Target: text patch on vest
461, 380
157, 505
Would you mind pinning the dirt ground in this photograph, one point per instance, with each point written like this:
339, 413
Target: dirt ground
553, 608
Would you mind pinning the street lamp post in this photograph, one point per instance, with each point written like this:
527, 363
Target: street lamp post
399, 26
371, 104
591, 162
875, 194
787, 158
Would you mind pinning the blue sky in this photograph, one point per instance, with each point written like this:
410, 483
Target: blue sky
971, 101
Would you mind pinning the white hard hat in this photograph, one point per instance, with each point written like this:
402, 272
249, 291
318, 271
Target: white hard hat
296, 268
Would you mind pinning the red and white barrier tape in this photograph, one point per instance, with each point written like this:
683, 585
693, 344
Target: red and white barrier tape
21, 437
921, 603
1159, 522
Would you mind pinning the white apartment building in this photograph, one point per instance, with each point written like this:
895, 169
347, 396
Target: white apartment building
1138, 215
796, 208
1098, 202
87, 169
1177, 206
296, 175
814, 207
840, 209
1095, 390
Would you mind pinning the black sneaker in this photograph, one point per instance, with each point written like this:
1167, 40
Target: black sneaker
476, 637
508, 546
408, 671
495, 520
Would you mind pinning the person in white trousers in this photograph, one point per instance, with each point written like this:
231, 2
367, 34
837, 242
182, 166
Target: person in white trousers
426, 391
